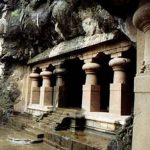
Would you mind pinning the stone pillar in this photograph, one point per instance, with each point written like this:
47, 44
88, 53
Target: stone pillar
91, 91
46, 89
120, 101
59, 88
141, 128
141, 20
35, 90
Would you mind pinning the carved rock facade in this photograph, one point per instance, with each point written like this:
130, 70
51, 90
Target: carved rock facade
31, 26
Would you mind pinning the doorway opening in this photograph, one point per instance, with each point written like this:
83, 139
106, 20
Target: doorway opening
105, 77
74, 79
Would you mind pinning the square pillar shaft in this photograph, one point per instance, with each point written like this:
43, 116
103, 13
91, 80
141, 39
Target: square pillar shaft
46, 96
120, 99
91, 98
58, 98
35, 95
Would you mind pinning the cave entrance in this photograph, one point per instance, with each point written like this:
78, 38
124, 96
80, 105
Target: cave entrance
74, 79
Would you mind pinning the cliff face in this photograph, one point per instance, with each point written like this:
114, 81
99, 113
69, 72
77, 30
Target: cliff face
31, 26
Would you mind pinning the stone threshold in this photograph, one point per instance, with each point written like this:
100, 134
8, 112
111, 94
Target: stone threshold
36, 109
104, 122
105, 117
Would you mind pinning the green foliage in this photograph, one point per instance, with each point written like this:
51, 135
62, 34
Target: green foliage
123, 139
9, 92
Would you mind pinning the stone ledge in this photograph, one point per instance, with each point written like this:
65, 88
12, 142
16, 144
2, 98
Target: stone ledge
101, 126
36, 109
104, 122
105, 117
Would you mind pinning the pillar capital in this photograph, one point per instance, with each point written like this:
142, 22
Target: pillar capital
119, 63
46, 73
46, 78
141, 18
90, 70
90, 67
34, 74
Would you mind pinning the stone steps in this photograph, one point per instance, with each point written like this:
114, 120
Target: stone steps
44, 130
60, 140
55, 145
71, 141
59, 116
35, 132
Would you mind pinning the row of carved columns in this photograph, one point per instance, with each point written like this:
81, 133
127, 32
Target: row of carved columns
91, 97
119, 101
44, 95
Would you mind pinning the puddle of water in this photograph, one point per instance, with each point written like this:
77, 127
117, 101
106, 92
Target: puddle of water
18, 140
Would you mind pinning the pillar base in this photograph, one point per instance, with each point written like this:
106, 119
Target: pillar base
36, 109
46, 96
91, 98
141, 132
58, 96
120, 99
104, 122
35, 95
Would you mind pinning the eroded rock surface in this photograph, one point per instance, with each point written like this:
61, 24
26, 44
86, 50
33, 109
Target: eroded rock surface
31, 26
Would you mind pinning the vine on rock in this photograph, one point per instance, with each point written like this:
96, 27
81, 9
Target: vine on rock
123, 140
